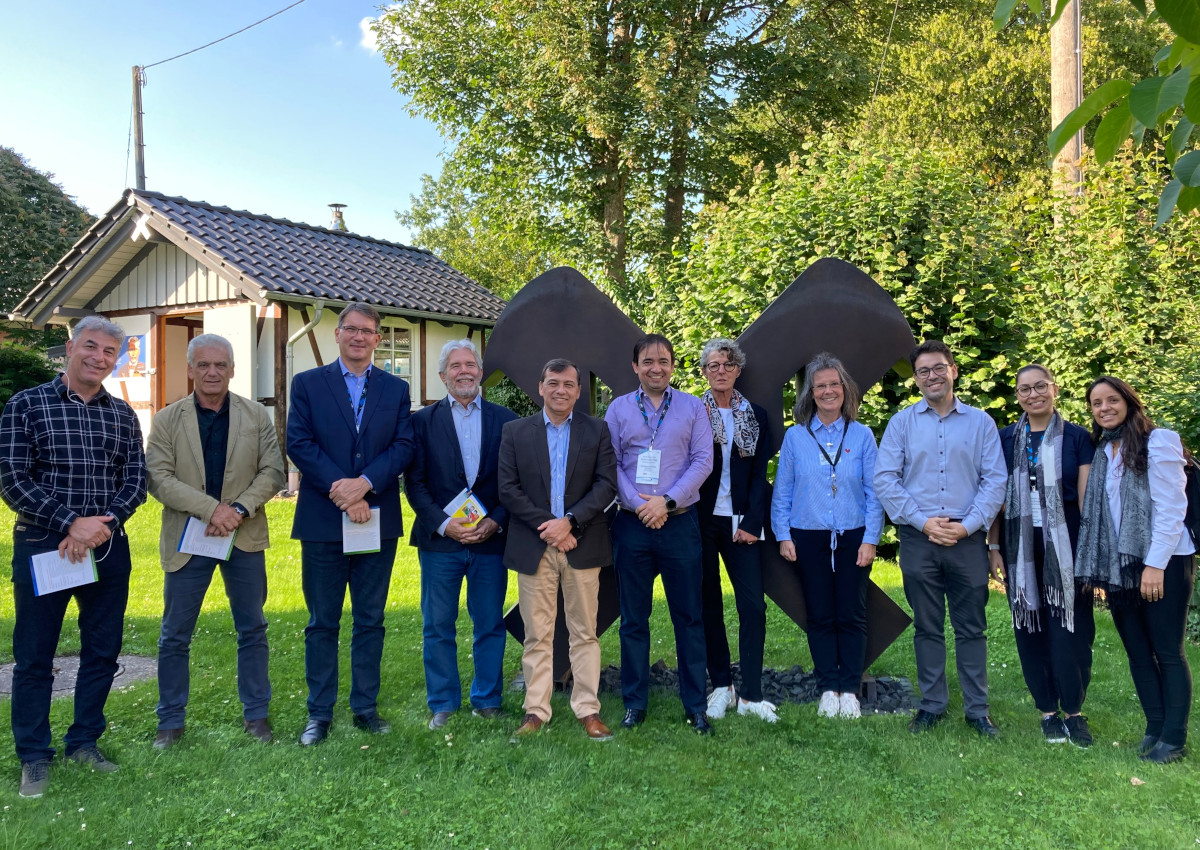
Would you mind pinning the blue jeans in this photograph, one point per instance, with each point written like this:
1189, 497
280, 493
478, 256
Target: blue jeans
38, 623
326, 573
640, 554
245, 577
442, 575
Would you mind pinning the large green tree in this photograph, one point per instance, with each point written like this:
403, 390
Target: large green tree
607, 123
38, 224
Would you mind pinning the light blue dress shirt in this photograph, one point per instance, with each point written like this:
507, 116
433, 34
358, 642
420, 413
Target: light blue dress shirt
804, 479
468, 424
355, 384
947, 466
558, 442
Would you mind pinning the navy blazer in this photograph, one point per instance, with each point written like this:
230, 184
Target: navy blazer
437, 475
747, 480
325, 446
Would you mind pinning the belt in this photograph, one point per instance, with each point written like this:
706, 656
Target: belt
676, 512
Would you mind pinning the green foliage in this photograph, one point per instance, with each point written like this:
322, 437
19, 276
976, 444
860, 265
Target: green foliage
984, 95
38, 224
21, 368
1085, 285
1167, 98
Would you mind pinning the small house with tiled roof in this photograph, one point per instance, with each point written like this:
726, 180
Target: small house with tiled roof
168, 269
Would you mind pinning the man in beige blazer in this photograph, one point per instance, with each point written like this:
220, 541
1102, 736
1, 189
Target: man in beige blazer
213, 460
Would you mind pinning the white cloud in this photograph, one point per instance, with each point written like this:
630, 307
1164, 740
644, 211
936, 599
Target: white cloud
369, 40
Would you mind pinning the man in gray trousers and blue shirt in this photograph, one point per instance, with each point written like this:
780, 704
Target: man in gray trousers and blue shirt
940, 476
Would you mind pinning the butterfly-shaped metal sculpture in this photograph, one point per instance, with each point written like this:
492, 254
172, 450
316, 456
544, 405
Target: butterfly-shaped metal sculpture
833, 306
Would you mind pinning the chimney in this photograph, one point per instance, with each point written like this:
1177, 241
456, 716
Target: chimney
339, 221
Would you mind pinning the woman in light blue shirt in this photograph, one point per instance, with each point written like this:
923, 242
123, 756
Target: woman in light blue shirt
827, 520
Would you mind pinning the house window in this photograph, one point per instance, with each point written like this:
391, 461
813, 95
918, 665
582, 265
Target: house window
394, 353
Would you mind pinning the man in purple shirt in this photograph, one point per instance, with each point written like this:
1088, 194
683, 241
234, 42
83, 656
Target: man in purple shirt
663, 442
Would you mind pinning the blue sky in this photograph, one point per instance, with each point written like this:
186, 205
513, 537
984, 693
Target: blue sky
281, 120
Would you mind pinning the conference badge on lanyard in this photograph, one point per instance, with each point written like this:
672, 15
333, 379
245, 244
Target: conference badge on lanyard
648, 465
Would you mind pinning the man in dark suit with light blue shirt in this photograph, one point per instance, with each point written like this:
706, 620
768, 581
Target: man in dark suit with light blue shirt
940, 475
349, 432
457, 452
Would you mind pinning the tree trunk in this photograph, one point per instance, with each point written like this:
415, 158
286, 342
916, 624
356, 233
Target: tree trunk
1066, 89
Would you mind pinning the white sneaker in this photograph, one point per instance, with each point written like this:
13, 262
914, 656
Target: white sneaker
762, 708
719, 700
830, 705
849, 707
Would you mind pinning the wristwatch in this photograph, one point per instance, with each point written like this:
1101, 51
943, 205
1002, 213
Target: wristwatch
993, 547
574, 523
242, 511
671, 504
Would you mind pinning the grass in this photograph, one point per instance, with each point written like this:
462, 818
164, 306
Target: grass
803, 782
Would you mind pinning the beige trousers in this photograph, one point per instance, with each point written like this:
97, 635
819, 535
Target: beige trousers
538, 601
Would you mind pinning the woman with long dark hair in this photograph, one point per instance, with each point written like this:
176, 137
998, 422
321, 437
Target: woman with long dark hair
1133, 544
827, 520
1032, 543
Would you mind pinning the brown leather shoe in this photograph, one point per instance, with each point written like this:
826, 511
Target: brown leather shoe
167, 738
531, 724
595, 728
260, 729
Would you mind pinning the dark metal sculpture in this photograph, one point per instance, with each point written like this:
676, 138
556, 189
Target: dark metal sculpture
832, 306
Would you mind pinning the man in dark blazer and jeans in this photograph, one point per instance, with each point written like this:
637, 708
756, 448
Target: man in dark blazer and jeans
457, 448
349, 432
558, 473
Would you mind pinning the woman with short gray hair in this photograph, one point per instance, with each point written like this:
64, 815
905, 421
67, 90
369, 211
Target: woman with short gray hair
827, 519
733, 511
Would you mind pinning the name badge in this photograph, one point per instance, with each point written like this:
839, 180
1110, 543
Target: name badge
1035, 504
649, 463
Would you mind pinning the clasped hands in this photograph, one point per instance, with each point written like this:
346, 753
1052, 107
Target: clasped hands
653, 512
85, 534
943, 531
456, 530
349, 494
557, 533
224, 521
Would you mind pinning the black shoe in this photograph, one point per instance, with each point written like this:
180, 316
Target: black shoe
35, 776
1053, 729
1148, 743
489, 713
699, 722
93, 758
1078, 731
439, 719
924, 721
372, 723
984, 726
1164, 753
315, 732
633, 718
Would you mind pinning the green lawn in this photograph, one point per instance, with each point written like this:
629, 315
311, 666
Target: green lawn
799, 783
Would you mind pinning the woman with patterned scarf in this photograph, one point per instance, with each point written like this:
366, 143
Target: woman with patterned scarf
827, 519
1134, 546
1032, 543
733, 510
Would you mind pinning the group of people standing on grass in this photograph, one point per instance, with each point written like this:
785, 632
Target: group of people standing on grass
1058, 513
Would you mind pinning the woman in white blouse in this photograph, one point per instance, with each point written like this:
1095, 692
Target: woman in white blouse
1133, 544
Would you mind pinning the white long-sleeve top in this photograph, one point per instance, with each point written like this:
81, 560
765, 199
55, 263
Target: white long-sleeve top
1168, 501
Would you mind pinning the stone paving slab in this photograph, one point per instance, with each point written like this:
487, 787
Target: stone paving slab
130, 669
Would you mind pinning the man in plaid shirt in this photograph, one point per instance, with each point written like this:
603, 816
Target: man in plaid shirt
72, 467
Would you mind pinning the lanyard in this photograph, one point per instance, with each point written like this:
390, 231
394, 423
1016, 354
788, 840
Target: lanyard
1032, 455
833, 461
662, 413
362, 398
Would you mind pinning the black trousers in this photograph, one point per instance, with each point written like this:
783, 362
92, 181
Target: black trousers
744, 566
1153, 636
835, 600
1056, 663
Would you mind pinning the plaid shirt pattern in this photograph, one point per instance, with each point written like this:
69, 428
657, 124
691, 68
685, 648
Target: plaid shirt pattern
61, 458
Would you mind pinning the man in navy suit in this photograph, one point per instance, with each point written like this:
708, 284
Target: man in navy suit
457, 450
349, 432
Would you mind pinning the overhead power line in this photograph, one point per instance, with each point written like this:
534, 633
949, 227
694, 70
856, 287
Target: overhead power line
223, 38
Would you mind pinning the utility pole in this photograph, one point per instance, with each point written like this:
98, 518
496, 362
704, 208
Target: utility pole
1066, 89
139, 143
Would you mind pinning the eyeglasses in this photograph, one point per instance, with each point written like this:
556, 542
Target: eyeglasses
1026, 390
820, 388
350, 330
720, 367
940, 370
